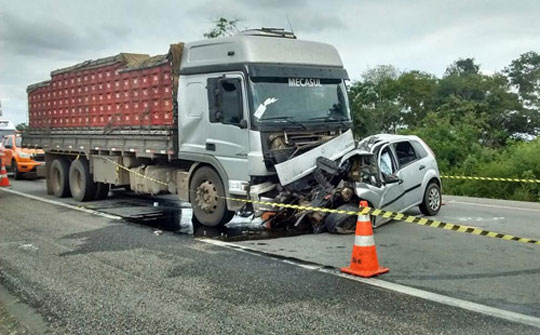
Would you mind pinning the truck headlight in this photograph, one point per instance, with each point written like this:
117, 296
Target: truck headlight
24, 155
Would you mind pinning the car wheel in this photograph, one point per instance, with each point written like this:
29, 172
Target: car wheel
341, 223
81, 183
15, 170
59, 178
432, 200
208, 197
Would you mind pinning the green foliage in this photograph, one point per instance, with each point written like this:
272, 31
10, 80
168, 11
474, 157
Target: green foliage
524, 74
21, 127
223, 27
475, 123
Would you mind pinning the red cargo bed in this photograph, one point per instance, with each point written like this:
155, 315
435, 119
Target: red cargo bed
122, 91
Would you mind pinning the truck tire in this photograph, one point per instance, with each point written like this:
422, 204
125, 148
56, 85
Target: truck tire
207, 197
432, 200
81, 183
102, 190
15, 170
59, 178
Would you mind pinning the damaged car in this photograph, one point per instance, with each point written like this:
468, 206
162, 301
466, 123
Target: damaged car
391, 172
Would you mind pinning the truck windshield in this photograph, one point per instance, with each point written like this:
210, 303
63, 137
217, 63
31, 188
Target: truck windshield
299, 100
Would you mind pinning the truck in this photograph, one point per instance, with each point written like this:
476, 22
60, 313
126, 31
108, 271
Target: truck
230, 125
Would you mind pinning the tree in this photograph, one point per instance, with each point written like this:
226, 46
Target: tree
462, 66
416, 93
223, 27
21, 127
374, 101
464, 90
524, 74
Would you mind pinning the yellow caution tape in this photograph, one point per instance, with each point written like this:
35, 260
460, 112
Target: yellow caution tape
365, 211
512, 180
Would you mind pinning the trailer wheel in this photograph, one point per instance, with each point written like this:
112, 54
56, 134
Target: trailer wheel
59, 178
81, 183
102, 190
207, 196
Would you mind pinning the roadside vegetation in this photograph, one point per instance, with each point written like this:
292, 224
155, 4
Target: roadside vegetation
477, 124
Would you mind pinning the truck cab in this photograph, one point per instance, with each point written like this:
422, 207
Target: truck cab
254, 100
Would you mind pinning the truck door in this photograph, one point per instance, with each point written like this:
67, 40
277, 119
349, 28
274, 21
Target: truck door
221, 130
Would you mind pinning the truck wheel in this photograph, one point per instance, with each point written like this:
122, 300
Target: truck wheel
207, 197
81, 183
59, 178
15, 170
432, 200
102, 190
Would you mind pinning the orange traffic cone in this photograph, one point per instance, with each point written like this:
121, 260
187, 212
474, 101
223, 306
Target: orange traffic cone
364, 261
4, 180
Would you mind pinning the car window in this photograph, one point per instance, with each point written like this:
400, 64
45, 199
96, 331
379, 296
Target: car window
18, 142
386, 163
405, 153
8, 141
419, 148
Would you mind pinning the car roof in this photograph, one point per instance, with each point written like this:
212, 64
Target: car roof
370, 142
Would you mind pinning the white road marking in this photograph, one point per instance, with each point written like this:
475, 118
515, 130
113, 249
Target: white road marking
58, 203
493, 206
411, 291
439, 298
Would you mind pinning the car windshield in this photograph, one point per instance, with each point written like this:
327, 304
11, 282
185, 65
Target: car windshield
299, 99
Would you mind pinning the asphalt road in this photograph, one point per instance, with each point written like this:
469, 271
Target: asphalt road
87, 274
493, 272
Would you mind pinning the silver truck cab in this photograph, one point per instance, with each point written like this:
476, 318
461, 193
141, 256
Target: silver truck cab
256, 99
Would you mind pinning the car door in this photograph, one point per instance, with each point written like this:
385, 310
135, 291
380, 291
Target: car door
391, 197
8, 150
2, 151
411, 171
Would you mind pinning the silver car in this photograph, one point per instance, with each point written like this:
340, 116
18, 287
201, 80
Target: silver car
396, 173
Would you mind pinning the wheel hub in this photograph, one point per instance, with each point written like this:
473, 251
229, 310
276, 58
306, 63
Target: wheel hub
434, 199
207, 196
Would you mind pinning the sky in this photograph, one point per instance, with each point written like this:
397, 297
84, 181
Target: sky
37, 37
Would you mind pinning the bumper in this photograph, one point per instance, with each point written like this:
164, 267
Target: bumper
25, 167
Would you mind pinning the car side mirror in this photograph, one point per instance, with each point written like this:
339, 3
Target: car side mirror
391, 179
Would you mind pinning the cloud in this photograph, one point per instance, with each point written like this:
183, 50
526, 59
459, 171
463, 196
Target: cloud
21, 36
39, 36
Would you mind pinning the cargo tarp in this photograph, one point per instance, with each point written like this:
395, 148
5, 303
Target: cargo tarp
123, 58
175, 56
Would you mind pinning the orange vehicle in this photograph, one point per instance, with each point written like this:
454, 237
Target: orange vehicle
17, 159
